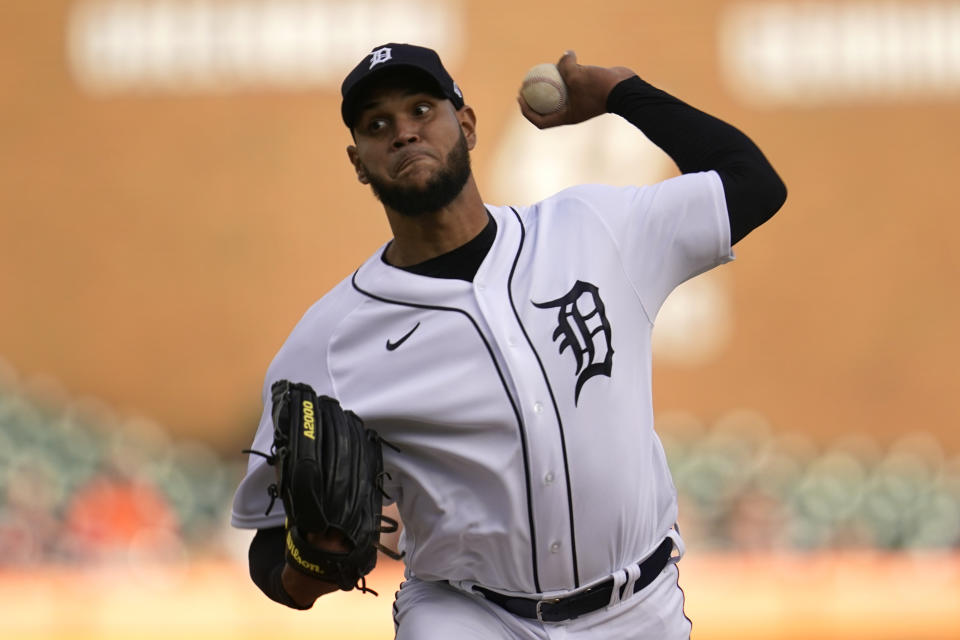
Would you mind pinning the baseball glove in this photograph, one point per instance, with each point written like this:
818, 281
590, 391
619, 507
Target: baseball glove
329, 478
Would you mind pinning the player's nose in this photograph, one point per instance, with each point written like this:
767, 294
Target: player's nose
407, 132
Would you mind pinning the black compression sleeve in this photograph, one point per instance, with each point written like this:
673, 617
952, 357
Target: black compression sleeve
266, 559
697, 141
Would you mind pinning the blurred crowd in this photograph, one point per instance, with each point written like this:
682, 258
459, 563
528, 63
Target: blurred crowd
80, 484
742, 485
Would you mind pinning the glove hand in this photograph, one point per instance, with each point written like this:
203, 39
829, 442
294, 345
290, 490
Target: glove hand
303, 589
330, 479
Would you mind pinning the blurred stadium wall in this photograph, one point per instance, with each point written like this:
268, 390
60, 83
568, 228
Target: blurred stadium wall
174, 193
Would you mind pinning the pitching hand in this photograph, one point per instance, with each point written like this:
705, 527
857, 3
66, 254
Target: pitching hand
587, 89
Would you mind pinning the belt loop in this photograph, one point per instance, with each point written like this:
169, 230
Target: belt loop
634, 572
678, 545
620, 578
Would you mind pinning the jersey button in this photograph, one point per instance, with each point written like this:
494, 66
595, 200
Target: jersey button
555, 547
548, 479
538, 407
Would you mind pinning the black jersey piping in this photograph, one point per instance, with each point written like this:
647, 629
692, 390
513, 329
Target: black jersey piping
513, 405
553, 400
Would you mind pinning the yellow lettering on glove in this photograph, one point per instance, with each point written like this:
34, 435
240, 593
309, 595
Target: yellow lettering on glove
295, 554
309, 425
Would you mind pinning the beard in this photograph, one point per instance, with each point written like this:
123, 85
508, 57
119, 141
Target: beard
440, 190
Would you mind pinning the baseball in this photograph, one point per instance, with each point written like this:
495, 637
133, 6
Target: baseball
543, 89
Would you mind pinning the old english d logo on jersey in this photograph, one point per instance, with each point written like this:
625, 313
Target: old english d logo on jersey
583, 328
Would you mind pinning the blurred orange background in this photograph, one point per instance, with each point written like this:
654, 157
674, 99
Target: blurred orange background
175, 192
743, 597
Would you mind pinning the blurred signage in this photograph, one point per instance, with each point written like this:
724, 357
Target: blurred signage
827, 52
228, 45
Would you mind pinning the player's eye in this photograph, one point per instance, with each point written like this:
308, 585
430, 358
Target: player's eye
376, 124
421, 109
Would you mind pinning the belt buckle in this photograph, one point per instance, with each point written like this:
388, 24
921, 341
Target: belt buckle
540, 608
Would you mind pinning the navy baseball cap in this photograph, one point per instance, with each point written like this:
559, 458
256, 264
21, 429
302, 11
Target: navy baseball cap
393, 56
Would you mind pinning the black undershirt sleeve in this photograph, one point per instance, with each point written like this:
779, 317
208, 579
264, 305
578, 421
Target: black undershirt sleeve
266, 558
697, 141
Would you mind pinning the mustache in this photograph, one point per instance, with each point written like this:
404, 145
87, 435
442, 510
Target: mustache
406, 157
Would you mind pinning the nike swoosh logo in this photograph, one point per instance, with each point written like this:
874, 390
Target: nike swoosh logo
393, 345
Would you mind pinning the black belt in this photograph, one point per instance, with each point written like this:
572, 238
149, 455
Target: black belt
577, 604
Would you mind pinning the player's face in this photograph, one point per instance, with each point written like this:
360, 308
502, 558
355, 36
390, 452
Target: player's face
412, 148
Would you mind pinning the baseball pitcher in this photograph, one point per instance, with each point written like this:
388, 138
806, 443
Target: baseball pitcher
488, 370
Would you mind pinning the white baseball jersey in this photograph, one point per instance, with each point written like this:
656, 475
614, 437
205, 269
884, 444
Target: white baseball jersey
520, 402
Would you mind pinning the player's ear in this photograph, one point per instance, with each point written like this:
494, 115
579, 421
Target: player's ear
357, 165
468, 124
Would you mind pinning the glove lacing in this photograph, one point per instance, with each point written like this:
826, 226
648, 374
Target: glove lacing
273, 490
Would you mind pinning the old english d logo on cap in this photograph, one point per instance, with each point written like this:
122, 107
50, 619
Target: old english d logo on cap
390, 56
378, 56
